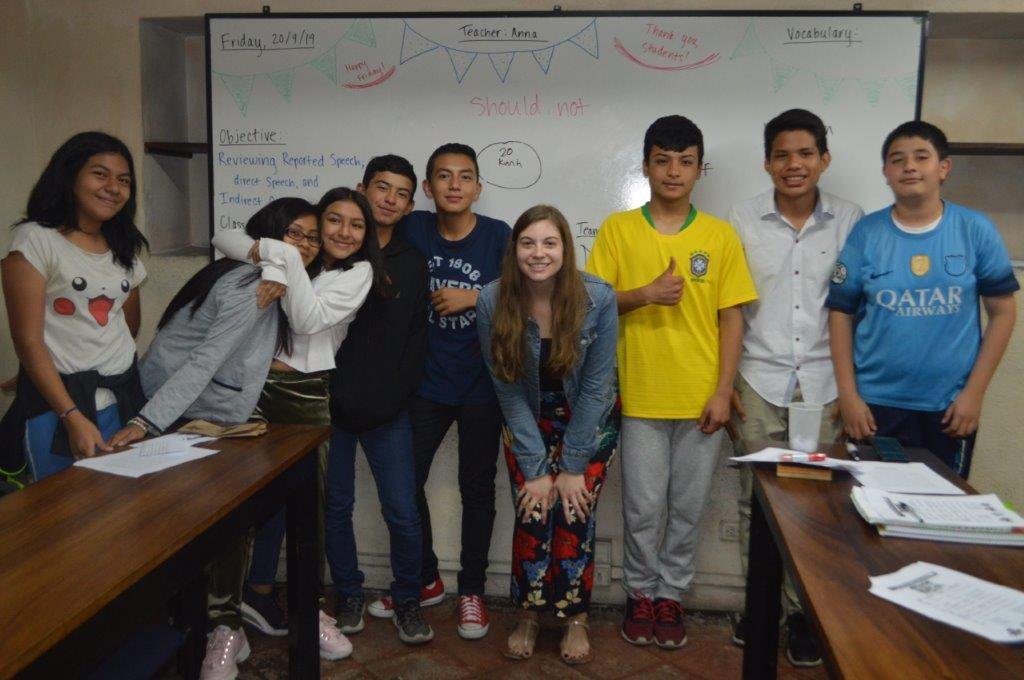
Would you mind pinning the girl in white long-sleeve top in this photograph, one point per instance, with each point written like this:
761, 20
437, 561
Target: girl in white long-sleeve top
326, 275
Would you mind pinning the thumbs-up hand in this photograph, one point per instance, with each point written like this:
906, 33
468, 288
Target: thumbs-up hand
666, 288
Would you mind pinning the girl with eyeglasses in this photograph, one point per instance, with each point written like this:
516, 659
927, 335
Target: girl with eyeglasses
324, 275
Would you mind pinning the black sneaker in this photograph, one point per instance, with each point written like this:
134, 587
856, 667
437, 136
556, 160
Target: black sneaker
412, 629
801, 647
739, 629
260, 610
348, 610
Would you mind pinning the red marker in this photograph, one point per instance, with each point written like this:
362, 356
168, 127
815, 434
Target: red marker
802, 457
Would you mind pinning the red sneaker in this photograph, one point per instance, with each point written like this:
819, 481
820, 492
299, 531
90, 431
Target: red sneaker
431, 594
638, 625
669, 631
473, 621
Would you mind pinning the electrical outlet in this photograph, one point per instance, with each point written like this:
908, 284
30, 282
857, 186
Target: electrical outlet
602, 561
729, 531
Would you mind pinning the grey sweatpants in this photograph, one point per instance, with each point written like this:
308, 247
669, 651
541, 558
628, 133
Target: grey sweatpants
667, 465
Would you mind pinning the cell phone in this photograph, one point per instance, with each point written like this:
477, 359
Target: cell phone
889, 450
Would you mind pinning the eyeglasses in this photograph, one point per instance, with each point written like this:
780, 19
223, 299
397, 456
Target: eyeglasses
296, 234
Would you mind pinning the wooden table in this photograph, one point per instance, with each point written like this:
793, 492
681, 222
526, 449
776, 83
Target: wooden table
86, 557
830, 551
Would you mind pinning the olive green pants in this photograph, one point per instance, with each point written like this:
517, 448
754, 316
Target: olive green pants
765, 423
288, 398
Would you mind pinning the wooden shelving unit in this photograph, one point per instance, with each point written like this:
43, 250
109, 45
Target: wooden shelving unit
985, 149
177, 149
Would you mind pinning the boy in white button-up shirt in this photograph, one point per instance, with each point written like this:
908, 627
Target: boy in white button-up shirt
792, 235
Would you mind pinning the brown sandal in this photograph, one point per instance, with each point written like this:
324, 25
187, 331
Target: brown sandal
576, 660
532, 629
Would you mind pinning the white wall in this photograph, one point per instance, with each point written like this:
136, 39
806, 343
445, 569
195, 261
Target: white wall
66, 66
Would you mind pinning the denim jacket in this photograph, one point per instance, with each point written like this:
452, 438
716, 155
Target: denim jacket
590, 387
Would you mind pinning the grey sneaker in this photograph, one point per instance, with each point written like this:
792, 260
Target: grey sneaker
801, 646
739, 629
348, 610
412, 629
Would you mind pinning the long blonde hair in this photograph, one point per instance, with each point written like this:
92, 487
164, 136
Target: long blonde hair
568, 304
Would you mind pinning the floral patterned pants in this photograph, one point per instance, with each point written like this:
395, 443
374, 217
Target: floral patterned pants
553, 561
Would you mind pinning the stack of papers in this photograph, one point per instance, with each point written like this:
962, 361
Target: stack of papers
980, 607
960, 519
150, 455
902, 478
899, 477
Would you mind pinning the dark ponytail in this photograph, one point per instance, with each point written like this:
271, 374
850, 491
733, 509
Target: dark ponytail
270, 221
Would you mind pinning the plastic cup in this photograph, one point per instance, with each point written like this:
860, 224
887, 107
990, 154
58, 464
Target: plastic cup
804, 426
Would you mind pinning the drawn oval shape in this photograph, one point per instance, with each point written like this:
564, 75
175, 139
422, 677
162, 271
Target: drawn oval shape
509, 165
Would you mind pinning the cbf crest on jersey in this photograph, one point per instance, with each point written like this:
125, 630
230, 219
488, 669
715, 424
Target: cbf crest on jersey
699, 263
920, 264
839, 273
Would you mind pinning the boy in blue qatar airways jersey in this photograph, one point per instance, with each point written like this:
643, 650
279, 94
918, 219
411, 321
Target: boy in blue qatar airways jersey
906, 292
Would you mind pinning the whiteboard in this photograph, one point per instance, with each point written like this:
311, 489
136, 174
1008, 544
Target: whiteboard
556, 105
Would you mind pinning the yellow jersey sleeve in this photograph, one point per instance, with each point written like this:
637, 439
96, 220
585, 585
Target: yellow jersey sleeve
736, 285
603, 260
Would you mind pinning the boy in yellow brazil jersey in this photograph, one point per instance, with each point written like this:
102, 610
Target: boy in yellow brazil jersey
680, 278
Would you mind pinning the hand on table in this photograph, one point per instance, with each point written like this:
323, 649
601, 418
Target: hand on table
83, 436
127, 435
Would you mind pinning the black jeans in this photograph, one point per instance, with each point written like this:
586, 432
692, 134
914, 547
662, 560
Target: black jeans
479, 429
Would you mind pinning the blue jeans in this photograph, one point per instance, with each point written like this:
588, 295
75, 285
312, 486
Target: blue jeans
39, 436
266, 550
388, 449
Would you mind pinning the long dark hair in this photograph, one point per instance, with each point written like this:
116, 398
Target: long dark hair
270, 221
370, 250
52, 201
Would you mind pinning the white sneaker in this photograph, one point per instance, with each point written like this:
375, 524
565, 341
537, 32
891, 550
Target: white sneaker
333, 643
225, 649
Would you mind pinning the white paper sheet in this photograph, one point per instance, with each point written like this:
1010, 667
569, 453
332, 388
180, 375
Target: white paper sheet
132, 463
775, 455
987, 609
169, 443
902, 478
898, 477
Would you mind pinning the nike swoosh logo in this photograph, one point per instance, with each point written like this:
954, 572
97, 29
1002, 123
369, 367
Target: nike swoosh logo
875, 276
